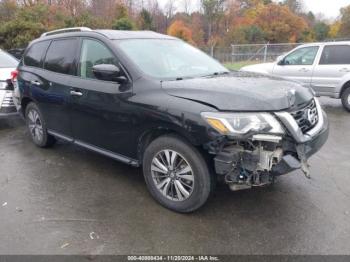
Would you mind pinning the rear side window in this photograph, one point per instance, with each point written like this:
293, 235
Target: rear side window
336, 55
61, 56
35, 54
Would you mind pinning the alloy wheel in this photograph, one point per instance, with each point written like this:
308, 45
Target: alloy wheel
172, 175
35, 125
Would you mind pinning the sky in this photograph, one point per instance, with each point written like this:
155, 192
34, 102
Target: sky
330, 8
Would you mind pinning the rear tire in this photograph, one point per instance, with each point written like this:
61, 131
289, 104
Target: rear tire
345, 99
37, 127
176, 174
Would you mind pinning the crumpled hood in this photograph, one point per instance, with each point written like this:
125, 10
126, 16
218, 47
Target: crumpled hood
240, 91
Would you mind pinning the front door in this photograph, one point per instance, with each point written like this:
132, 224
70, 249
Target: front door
298, 65
99, 109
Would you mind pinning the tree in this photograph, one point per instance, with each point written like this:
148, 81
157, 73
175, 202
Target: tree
344, 30
180, 30
213, 11
321, 30
145, 20
123, 24
8, 9
280, 24
334, 30
295, 6
247, 34
187, 6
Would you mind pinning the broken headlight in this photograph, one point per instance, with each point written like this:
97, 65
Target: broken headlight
243, 123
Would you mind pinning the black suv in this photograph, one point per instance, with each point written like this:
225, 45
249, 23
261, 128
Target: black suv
154, 101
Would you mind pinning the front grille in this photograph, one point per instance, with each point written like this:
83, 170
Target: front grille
307, 117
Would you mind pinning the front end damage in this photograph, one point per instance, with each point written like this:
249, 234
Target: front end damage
257, 160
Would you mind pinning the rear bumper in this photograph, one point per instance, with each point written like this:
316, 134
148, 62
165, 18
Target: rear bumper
9, 115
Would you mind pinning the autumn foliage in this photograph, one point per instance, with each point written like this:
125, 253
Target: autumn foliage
280, 25
208, 24
180, 30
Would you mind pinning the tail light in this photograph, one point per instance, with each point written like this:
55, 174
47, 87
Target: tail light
14, 75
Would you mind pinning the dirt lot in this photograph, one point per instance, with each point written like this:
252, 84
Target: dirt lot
67, 200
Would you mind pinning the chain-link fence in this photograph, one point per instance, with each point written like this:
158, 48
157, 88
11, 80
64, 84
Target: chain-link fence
250, 53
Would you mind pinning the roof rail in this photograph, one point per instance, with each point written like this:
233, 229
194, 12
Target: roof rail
337, 39
66, 30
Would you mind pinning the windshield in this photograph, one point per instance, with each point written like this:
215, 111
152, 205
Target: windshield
169, 59
7, 61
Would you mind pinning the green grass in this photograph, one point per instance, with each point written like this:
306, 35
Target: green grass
238, 65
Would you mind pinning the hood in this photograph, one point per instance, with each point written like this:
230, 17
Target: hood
5, 73
239, 91
265, 68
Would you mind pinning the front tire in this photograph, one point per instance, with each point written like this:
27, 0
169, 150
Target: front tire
176, 174
37, 127
345, 99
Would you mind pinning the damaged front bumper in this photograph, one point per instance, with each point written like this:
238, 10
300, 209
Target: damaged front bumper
258, 160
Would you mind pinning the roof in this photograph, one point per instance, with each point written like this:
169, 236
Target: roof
326, 43
119, 35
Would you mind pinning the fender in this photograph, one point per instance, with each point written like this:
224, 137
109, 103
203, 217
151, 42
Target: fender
344, 83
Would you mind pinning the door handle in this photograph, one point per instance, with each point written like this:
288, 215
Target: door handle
345, 70
36, 83
76, 93
303, 70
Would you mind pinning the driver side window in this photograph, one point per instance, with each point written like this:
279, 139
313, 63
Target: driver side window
302, 56
94, 53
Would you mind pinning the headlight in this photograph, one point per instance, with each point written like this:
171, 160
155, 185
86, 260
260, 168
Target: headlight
243, 123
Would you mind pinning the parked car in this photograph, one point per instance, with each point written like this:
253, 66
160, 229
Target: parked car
17, 52
323, 66
152, 100
8, 65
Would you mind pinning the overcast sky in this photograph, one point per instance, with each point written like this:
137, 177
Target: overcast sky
330, 8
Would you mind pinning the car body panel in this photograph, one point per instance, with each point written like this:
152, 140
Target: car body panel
7, 105
234, 92
325, 80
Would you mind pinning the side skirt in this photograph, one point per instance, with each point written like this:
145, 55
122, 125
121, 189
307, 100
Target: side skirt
118, 157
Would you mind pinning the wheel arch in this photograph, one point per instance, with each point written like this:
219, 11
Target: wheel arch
24, 103
344, 87
151, 134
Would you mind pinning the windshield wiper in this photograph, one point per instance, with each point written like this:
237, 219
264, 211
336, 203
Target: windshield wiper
217, 74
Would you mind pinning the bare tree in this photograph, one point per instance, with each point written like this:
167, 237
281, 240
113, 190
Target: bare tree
187, 6
170, 9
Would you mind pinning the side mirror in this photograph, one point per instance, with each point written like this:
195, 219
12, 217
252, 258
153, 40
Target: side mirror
280, 60
108, 72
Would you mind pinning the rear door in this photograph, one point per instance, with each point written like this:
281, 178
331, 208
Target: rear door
333, 65
101, 115
54, 97
298, 65
30, 80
